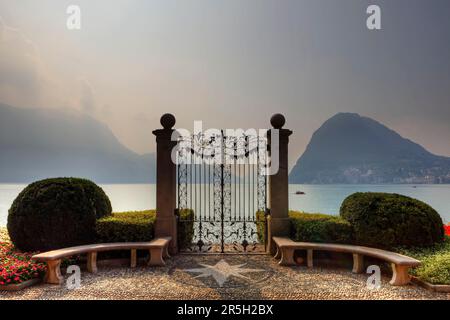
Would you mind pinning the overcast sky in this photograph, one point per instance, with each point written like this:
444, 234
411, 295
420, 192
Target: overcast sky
232, 63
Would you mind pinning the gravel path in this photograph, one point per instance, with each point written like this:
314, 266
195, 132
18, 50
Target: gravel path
254, 277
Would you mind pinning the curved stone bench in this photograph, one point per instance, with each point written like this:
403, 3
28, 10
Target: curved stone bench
158, 249
400, 264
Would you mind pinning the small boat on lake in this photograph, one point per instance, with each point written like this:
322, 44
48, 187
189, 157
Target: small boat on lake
299, 192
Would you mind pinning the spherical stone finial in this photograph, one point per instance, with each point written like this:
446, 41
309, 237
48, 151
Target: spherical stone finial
277, 121
167, 121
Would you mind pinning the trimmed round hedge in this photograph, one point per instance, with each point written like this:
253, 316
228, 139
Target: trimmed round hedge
386, 220
57, 213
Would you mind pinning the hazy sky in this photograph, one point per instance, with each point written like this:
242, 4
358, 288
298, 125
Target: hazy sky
232, 63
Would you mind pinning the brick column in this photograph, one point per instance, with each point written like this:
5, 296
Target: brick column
279, 182
166, 221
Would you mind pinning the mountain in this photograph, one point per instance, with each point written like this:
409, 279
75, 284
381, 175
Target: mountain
349, 148
38, 143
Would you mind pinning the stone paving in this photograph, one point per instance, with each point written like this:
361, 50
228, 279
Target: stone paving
223, 277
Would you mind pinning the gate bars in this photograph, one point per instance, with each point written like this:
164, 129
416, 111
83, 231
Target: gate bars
221, 177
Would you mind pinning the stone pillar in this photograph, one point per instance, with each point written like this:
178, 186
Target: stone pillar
166, 220
279, 183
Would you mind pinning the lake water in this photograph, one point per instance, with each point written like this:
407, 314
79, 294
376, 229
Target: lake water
317, 198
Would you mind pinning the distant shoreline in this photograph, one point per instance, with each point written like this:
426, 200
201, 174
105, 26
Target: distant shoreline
316, 198
300, 184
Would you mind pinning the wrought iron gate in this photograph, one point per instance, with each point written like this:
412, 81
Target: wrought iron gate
221, 177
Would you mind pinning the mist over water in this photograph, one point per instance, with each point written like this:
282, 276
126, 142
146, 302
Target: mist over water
317, 198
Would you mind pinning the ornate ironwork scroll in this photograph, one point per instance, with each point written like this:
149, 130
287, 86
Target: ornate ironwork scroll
221, 178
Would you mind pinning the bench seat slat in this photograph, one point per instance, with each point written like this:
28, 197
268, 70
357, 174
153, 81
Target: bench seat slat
67, 252
399, 263
158, 249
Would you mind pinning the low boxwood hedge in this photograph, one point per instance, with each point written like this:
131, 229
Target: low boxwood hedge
185, 230
318, 227
134, 226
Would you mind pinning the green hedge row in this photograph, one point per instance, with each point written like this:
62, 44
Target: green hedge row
64, 212
135, 226
379, 220
185, 227
318, 227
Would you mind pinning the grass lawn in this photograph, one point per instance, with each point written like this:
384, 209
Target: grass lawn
435, 267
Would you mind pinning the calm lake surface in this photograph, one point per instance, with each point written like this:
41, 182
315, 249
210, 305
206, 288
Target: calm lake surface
317, 198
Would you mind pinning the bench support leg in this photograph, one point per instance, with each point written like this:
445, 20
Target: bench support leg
133, 262
166, 252
156, 257
53, 274
277, 254
309, 258
92, 262
287, 257
400, 276
358, 263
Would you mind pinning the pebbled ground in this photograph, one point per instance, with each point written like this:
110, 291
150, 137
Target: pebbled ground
236, 277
